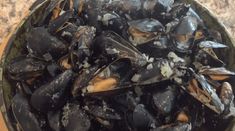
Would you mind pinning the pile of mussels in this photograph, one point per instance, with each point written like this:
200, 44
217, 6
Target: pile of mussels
100, 65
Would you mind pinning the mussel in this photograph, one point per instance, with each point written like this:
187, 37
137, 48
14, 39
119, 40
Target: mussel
115, 76
109, 44
51, 95
25, 68
42, 43
144, 30
23, 112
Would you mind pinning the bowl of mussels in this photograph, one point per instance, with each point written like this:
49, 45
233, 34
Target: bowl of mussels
119, 65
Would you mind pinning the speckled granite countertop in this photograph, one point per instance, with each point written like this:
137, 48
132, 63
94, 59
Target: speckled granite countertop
11, 13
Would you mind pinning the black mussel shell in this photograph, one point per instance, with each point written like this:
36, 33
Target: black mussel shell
52, 94
24, 68
142, 119
174, 127
164, 100
41, 43
110, 44
24, 115
57, 23
114, 77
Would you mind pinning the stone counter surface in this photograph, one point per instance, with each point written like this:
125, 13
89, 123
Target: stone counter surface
13, 11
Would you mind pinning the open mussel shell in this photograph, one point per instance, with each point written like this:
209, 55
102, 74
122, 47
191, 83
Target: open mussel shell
226, 95
204, 92
144, 30
112, 21
187, 26
67, 31
155, 72
65, 62
52, 95
41, 43
157, 48
215, 100
183, 34
81, 44
25, 68
22, 113
57, 23
109, 44
83, 79
207, 57
83, 37
102, 111
219, 73
115, 76
211, 44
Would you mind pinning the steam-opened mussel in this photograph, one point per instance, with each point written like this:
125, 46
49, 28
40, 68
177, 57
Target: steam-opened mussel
153, 73
115, 76
211, 44
109, 44
144, 30
178, 10
25, 68
83, 79
187, 26
129, 9
102, 113
80, 46
219, 73
183, 34
209, 89
57, 23
157, 48
75, 119
67, 31
226, 96
112, 21
41, 42
51, 95
181, 124
22, 113
49, 9
200, 89
207, 57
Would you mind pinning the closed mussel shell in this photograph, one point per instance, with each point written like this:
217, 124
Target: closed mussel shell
52, 94
23, 114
